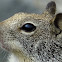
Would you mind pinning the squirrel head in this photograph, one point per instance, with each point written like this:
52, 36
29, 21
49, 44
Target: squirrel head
33, 34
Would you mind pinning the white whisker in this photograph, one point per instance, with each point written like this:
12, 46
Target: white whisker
1, 52
4, 56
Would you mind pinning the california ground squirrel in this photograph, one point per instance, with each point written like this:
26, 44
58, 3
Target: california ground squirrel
33, 37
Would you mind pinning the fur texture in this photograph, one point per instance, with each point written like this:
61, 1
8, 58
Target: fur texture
44, 44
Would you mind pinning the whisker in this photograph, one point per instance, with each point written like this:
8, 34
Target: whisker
4, 56
1, 52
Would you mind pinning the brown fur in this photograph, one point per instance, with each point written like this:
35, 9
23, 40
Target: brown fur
42, 45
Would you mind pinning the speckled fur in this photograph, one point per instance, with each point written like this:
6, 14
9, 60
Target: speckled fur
41, 45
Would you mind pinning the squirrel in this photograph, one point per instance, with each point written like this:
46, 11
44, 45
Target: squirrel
33, 37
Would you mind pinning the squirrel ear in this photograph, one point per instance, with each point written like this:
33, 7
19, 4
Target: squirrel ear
58, 21
51, 7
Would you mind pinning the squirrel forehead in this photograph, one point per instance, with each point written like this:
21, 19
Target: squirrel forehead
47, 15
25, 17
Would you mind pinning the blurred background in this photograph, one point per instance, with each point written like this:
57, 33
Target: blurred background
10, 7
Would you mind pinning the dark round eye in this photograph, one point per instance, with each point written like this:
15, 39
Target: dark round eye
28, 27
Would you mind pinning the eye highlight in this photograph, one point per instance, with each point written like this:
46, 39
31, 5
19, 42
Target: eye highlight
28, 27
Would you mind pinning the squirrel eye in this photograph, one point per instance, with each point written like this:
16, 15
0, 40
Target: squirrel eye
28, 27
